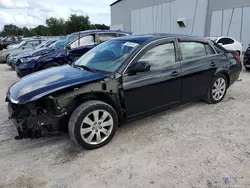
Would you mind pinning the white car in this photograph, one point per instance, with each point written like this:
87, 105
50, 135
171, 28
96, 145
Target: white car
228, 43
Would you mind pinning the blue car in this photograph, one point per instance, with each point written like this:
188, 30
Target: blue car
66, 50
40, 49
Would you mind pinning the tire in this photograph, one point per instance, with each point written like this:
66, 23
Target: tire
248, 69
49, 65
85, 112
210, 98
238, 52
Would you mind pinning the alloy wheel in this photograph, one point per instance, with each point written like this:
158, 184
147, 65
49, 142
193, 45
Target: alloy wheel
219, 89
97, 127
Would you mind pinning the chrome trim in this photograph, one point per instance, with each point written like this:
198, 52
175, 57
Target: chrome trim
13, 100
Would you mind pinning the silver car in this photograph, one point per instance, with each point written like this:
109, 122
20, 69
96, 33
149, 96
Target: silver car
22, 47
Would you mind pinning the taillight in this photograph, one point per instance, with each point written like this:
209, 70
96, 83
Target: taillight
237, 57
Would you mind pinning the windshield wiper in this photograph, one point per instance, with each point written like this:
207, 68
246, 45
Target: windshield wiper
85, 68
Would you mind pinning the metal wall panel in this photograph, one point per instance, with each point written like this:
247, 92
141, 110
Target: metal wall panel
226, 21
216, 23
246, 27
146, 20
162, 18
235, 25
199, 24
166, 18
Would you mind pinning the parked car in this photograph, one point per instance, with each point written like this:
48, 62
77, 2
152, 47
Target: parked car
229, 43
247, 58
4, 42
71, 48
23, 46
38, 50
118, 80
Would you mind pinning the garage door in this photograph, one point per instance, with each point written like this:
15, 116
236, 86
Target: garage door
232, 22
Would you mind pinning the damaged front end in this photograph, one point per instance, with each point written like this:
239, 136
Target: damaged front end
36, 119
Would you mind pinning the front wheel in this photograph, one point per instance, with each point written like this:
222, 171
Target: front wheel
217, 91
93, 124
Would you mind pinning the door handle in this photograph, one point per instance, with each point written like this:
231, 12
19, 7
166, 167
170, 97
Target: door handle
213, 64
175, 73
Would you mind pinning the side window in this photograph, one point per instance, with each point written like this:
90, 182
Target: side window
31, 44
192, 50
160, 56
9, 39
121, 34
86, 40
106, 36
226, 41
209, 49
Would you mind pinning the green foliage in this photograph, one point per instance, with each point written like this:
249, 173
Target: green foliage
54, 27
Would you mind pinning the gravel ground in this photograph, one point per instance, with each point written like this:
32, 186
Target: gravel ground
194, 145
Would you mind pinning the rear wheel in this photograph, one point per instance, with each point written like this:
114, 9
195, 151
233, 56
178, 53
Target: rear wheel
217, 91
93, 124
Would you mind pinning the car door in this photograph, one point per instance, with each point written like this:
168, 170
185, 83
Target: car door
158, 87
199, 62
80, 46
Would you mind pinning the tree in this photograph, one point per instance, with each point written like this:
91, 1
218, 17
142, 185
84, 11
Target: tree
100, 26
77, 23
56, 26
11, 29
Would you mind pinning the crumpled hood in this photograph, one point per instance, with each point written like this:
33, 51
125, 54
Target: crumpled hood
45, 82
20, 53
37, 52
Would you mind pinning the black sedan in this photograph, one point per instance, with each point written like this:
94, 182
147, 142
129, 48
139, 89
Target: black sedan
118, 80
247, 58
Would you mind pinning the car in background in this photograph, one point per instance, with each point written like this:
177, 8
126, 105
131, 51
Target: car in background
23, 46
40, 49
4, 42
247, 58
66, 50
229, 43
119, 80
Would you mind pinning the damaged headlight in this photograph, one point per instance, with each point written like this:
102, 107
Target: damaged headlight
26, 59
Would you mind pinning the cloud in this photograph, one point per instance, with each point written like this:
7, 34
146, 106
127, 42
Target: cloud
33, 4
31, 13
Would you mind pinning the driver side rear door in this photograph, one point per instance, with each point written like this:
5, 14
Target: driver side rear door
158, 87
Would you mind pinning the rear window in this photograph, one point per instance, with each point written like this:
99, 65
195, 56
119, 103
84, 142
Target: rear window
219, 48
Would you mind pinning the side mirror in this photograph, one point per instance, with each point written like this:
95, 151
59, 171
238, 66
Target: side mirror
140, 66
220, 44
68, 47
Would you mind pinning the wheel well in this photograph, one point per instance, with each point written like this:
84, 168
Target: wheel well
7, 56
112, 100
228, 78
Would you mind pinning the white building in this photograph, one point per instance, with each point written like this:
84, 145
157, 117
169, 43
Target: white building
191, 17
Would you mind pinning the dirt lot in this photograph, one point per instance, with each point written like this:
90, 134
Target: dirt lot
195, 145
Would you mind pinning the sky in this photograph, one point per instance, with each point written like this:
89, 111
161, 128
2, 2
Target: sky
31, 13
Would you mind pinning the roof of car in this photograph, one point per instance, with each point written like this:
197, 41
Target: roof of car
115, 2
144, 38
99, 30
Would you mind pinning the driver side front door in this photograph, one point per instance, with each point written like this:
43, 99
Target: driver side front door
158, 87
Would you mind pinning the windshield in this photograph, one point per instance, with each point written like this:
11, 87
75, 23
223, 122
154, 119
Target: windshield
60, 43
39, 46
20, 44
107, 56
